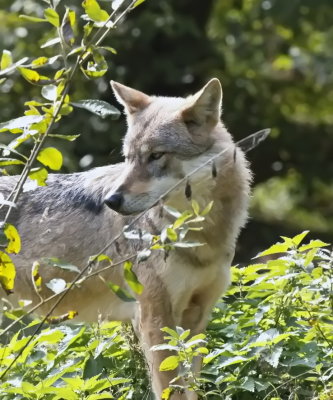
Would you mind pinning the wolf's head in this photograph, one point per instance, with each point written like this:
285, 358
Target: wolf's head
167, 138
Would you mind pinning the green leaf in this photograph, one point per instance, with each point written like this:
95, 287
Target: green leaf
314, 244
171, 332
187, 245
121, 293
166, 392
6, 59
70, 138
98, 107
29, 74
298, 238
181, 219
274, 357
39, 175
29, 18
50, 157
131, 278
68, 25
137, 3
49, 92
12, 67
172, 211
10, 161
171, 234
207, 209
247, 383
56, 262
50, 42
276, 248
7, 272
52, 16
170, 363
21, 122
310, 255
56, 285
14, 240
39, 62
94, 11
99, 396
232, 361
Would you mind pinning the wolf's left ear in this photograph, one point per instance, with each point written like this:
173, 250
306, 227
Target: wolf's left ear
132, 99
205, 106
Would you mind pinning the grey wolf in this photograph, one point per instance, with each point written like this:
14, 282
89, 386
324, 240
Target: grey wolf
76, 215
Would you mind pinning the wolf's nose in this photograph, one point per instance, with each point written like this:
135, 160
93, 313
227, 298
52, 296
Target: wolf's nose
114, 201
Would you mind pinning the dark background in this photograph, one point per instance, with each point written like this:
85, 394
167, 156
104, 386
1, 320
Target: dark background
275, 61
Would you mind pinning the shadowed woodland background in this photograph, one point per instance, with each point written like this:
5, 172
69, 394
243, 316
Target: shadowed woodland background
275, 61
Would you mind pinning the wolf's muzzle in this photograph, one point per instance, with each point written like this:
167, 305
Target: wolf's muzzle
115, 201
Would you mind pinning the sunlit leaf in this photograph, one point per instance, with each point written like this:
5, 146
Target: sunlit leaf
29, 74
94, 11
50, 157
52, 16
121, 293
13, 237
137, 3
40, 175
314, 244
98, 107
57, 285
50, 42
6, 59
30, 18
299, 238
49, 92
56, 262
39, 62
37, 279
10, 161
70, 138
21, 122
7, 272
170, 363
131, 278
67, 26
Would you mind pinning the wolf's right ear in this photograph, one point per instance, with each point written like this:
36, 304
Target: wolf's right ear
204, 107
133, 100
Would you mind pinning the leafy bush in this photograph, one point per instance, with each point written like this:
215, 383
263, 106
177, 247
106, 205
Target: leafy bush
271, 338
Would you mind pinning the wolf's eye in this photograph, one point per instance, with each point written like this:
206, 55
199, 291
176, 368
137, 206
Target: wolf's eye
155, 156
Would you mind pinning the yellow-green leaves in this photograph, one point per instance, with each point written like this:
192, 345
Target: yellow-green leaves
29, 75
68, 26
94, 11
21, 122
121, 293
52, 16
13, 237
39, 175
6, 59
170, 363
137, 3
7, 272
50, 157
131, 278
33, 76
36, 278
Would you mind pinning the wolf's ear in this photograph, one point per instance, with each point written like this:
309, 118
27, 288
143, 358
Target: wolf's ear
205, 106
132, 99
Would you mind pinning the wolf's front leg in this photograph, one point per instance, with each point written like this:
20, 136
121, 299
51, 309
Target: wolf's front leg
155, 312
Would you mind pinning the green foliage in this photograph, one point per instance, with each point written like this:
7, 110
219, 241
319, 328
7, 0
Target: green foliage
274, 337
271, 338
